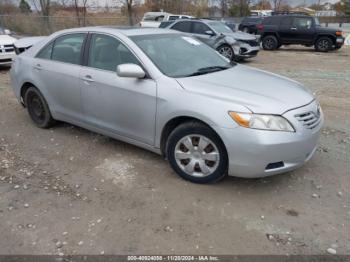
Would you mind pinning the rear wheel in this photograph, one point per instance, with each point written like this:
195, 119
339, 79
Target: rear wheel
37, 108
226, 51
323, 44
196, 153
270, 42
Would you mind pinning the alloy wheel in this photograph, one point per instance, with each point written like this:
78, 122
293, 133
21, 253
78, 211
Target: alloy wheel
269, 43
226, 52
323, 45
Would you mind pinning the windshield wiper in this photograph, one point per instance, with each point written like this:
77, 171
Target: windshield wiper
209, 69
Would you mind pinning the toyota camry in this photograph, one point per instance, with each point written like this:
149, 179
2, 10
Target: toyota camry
173, 95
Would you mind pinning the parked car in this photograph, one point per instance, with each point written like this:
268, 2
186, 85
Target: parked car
7, 51
25, 43
233, 45
297, 29
248, 24
154, 19
171, 94
230, 24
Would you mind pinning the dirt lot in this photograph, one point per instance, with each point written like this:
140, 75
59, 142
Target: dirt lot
70, 191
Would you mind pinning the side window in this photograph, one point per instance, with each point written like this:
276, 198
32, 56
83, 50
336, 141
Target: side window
302, 22
271, 21
200, 28
107, 53
68, 48
286, 21
184, 26
173, 17
46, 52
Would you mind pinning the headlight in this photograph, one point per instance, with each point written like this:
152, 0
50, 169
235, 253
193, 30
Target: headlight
264, 122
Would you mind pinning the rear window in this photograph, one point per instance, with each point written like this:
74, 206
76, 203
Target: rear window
184, 26
174, 17
165, 24
271, 20
286, 21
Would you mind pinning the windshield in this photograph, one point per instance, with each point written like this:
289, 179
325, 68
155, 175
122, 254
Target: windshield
178, 55
220, 27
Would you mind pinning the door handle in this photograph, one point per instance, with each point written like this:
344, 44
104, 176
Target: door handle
293, 28
38, 67
88, 79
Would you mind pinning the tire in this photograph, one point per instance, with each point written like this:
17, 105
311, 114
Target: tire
37, 108
270, 42
227, 52
323, 44
196, 153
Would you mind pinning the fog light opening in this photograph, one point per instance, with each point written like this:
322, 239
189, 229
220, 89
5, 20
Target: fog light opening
274, 165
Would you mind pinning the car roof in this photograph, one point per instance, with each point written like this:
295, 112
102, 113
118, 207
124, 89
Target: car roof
290, 15
127, 30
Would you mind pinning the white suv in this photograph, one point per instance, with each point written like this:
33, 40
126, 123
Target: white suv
7, 49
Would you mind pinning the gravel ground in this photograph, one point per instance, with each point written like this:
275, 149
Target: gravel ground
69, 191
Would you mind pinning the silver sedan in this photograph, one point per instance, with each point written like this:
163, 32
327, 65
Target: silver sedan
171, 94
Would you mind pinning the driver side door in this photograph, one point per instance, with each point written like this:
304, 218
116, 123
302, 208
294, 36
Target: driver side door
120, 105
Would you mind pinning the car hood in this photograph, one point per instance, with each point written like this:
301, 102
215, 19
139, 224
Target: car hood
257, 90
241, 36
28, 41
7, 40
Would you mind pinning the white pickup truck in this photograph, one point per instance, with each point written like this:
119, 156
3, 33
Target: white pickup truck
153, 19
7, 49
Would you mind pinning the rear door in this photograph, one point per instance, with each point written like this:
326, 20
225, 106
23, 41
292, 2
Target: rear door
58, 65
286, 32
121, 105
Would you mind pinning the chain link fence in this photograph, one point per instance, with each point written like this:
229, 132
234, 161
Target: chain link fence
44, 25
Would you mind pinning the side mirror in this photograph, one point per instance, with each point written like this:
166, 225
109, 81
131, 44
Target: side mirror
7, 32
130, 70
209, 32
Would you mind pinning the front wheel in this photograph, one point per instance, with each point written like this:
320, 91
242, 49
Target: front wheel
323, 44
196, 153
226, 51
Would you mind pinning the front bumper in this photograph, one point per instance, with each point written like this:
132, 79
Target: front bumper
339, 41
6, 58
257, 153
244, 50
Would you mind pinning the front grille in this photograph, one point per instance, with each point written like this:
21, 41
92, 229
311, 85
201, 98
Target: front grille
7, 48
309, 119
5, 60
251, 42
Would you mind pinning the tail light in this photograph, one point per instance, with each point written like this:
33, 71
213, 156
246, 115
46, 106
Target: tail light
260, 27
339, 33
